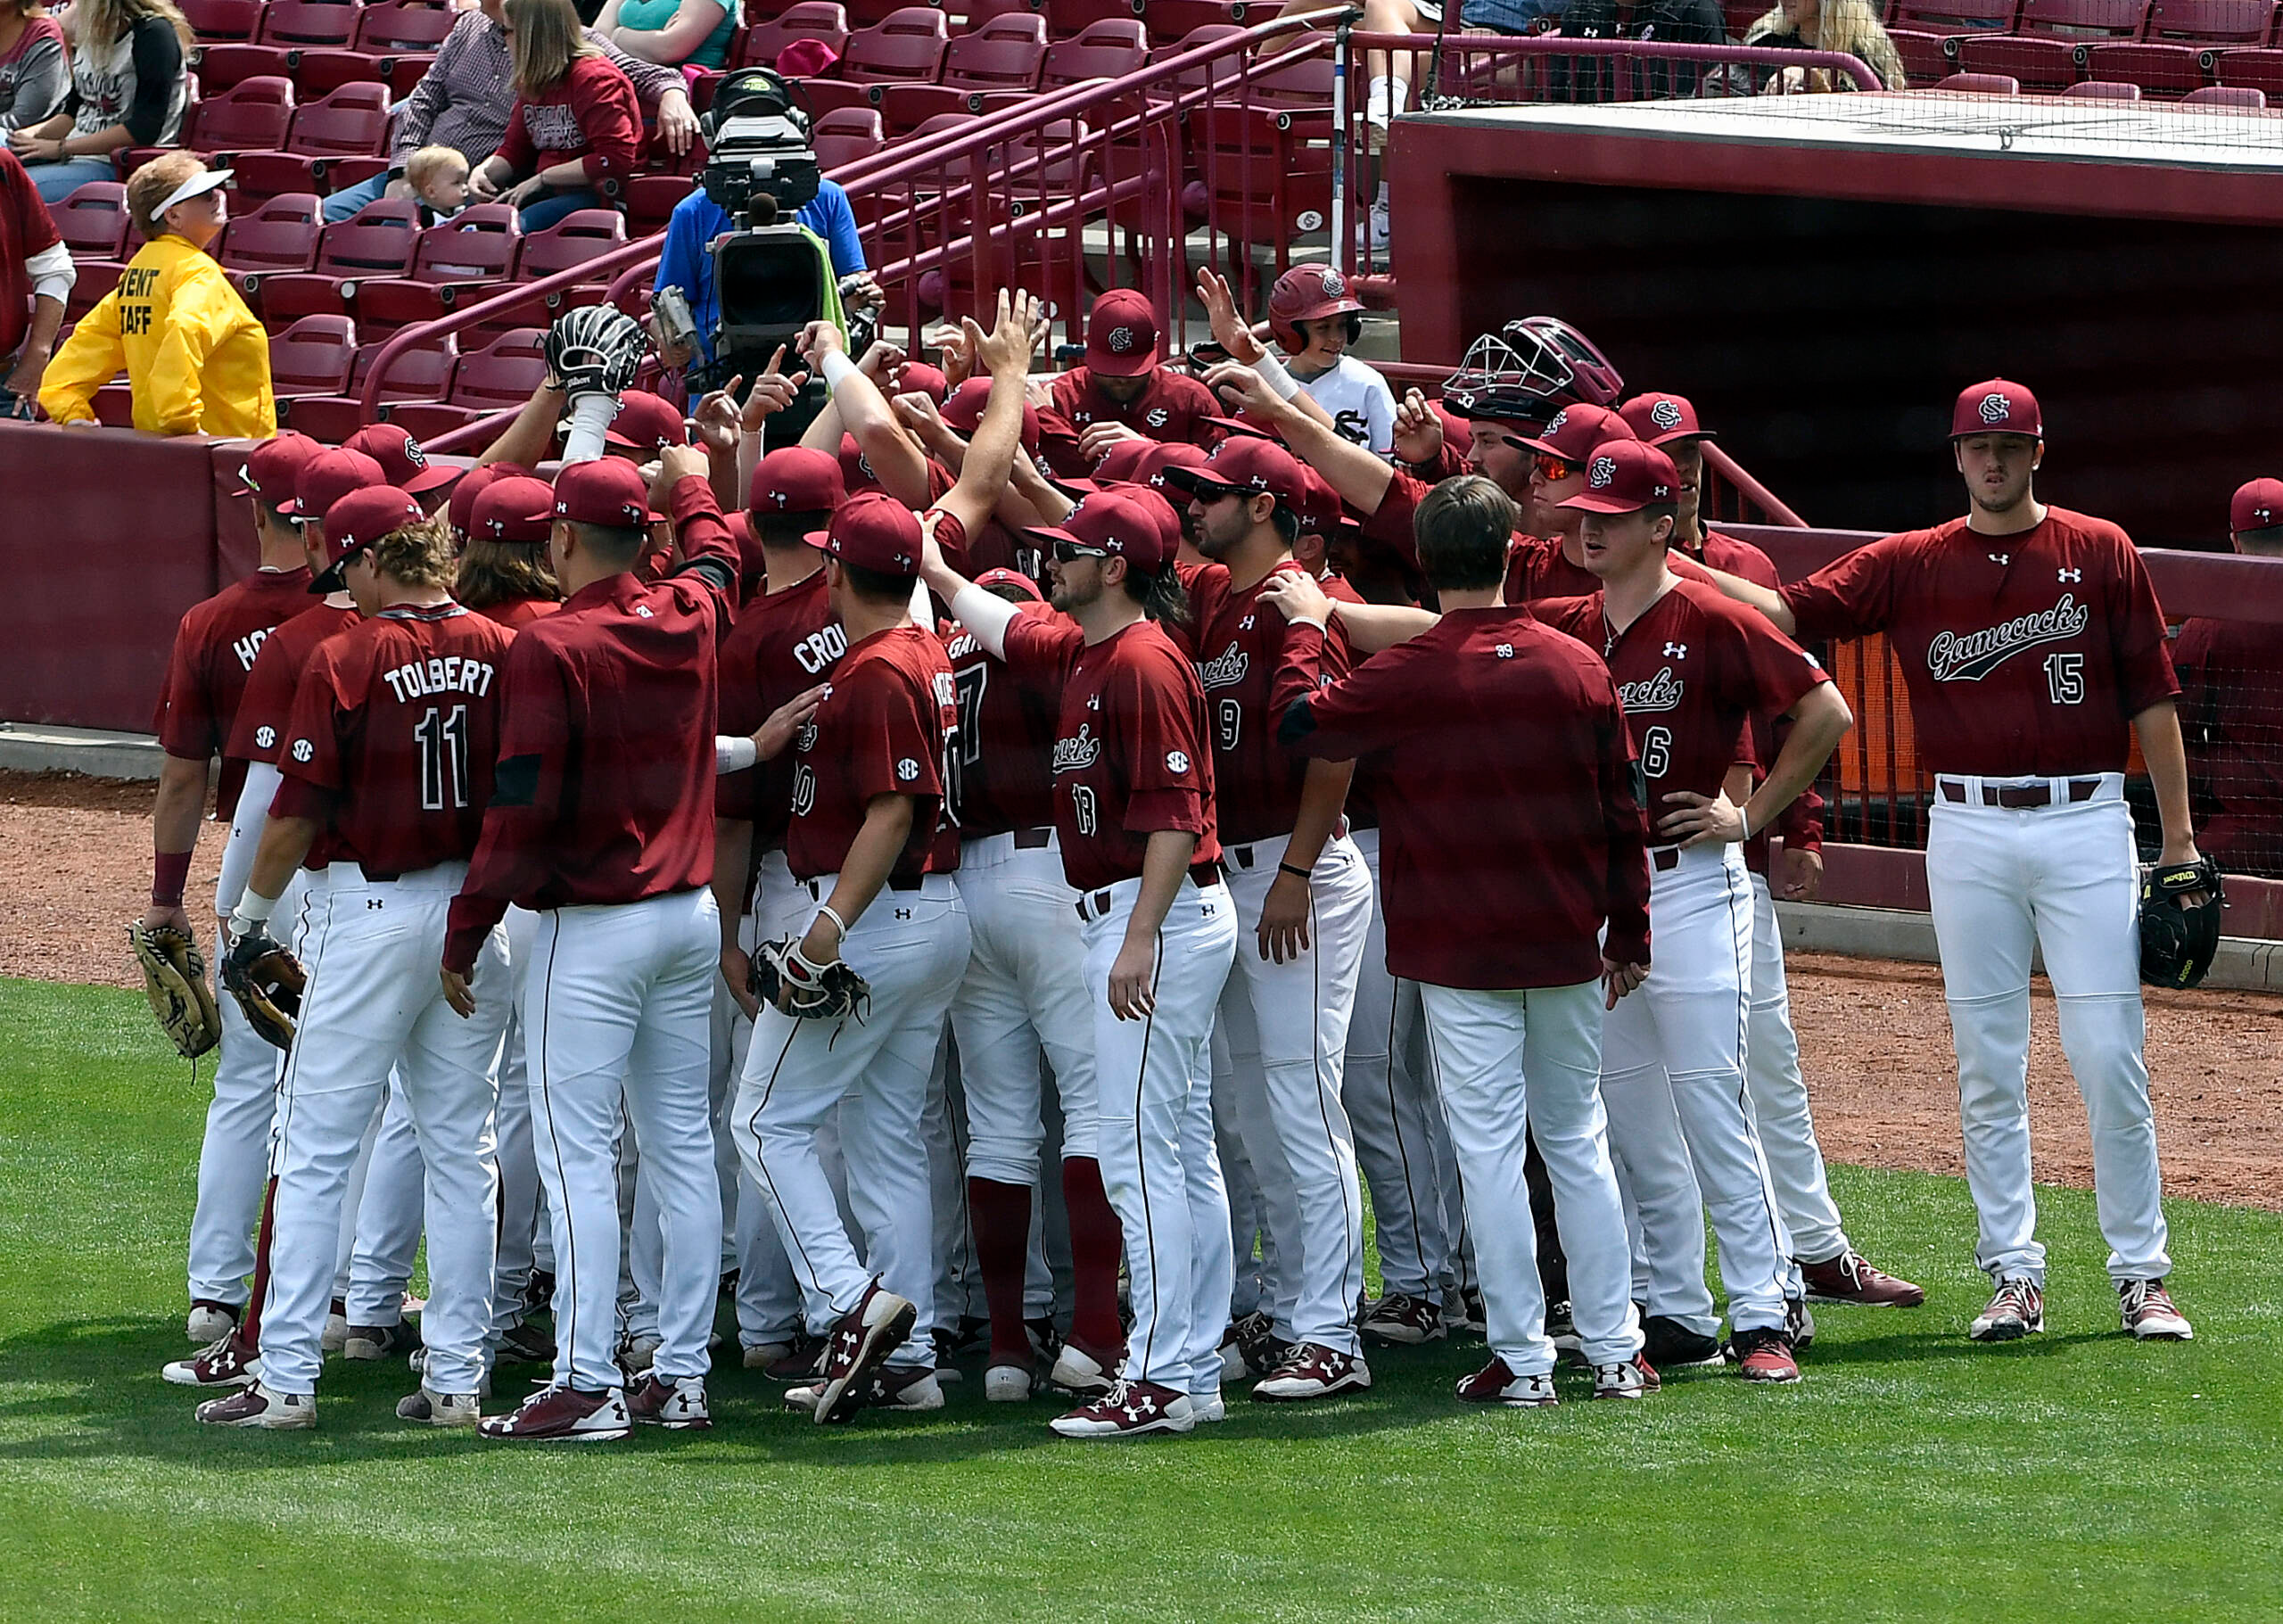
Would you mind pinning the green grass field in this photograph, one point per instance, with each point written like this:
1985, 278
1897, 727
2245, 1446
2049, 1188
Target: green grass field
1911, 1475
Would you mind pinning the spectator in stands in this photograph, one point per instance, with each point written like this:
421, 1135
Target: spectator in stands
439, 179
675, 33
2232, 709
128, 88
575, 122
196, 359
1120, 393
36, 279
1848, 26
34, 72
465, 99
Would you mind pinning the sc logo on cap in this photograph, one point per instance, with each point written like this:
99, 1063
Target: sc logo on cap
1995, 408
1560, 418
1604, 469
1120, 340
1665, 415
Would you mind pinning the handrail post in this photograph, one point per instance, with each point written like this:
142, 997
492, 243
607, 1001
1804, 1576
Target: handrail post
1339, 243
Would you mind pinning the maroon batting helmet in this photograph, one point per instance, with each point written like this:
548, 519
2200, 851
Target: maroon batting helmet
1310, 293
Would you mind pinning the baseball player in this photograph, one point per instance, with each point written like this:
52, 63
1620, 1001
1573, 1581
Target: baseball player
1134, 818
1315, 318
207, 673
1504, 938
600, 824
1120, 393
1301, 890
405, 466
2033, 648
392, 726
1830, 1267
2228, 677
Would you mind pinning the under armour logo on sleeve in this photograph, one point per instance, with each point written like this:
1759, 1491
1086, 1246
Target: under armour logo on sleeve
2069, 574
1676, 651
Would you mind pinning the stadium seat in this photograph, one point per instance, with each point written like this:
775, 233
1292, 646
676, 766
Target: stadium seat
424, 371
1069, 19
313, 357
1923, 31
1107, 50
319, 73
1195, 77
570, 242
820, 19
96, 277
1980, 84
846, 134
351, 121
503, 374
2102, 90
1260, 182
1002, 59
114, 406
457, 261
831, 95
2051, 38
379, 240
280, 235
253, 115
2260, 71
905, 48
218, 21
979, 14
2238, 98
1178, 19
309, 24
390, 27
650, 200
2174, 54
92, 221
865, 13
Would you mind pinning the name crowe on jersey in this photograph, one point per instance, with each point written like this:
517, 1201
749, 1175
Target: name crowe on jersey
1970, 656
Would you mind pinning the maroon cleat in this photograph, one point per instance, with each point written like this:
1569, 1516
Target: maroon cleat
1313, 1371
1494, 1383
228, 1362
859, 1344
1130, 1409
563, 1415
1763, 1354
677, 1406
1849, 1278
1634, 1378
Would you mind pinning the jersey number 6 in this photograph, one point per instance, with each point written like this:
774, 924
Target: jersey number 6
1656, 751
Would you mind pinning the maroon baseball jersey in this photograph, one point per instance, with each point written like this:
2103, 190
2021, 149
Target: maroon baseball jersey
2025, 656
1170, 409
258, 732
1801, 822
2229, 674
1003, 765
1253, 664
1131, 755
1692, 671
394, 734
1536, 568
604, 792
784, 644
515, 611
1517, 831
213, 657
885, 730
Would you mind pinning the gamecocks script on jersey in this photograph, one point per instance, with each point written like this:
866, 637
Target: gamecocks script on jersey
1970, 656
1225, 669
1077, 754
1661, 692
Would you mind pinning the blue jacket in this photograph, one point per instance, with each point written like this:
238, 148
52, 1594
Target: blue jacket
697, 220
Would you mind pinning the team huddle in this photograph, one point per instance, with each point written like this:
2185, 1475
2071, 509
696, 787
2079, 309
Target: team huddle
723, 871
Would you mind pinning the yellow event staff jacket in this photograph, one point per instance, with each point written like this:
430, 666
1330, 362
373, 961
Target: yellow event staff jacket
196, 356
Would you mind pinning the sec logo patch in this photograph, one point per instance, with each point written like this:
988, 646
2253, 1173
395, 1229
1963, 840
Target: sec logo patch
264, 737
1176, 761
303, 749
907, 769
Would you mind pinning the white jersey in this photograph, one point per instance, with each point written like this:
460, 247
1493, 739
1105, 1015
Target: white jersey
1357, 398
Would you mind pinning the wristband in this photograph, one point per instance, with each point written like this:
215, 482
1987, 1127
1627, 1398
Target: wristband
825, 911
1273, 373
836, 366
169, 873
1295, 870
1743, 816
253, 908
735, 755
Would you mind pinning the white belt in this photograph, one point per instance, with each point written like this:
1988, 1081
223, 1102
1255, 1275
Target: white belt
928, 887
442, 877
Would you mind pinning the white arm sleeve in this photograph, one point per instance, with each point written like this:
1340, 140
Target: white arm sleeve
590, 416
748, 459
733, 754
987, 615
252, 816
52, 274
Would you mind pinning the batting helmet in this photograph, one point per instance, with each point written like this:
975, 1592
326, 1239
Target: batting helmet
1310, 293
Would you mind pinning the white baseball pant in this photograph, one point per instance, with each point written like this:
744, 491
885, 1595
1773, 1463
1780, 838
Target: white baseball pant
614, 1007
1673, 1056
2063, 879
944, 1130
1287, 1025
381, 1242
912, 946
374, 1001
1779, 1096
770, 1307
1509, 1065
1254, 1289
512, 1265
1154, 1130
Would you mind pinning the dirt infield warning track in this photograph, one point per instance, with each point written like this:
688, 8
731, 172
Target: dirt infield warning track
75, 867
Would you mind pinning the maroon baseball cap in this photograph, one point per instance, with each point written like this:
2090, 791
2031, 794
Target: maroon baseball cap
1164, 513
873, 531
1996, 406
1625, 476
646, 422
327, 477
806, 59
1164, 456
476, 483
1662, 417
1230, 428
855, 468
517, 508
608, 492
796, 479
1107, 523
356, 520
1576, 430
921, 378
1320, 508
1121, 333
1244, 463
1014, 579
276, 463
401, 458
2257, 505
963, 411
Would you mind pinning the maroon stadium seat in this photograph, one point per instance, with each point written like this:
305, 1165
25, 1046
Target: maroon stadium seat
907, 47
319, 73
379, 240
1069, 19
821, 19
1173, 20
280, 235
313, 357
351, 121
865, 13
503, 374
92, 221
650, 200
1980, 84
253, 115
223, 20
2102, 90
2051, 40
1922, 30
2175, 55
96, 277
846, 134
309, 24
1003, 58
423, 372
469, 257
570, 242
218, 67
1106, 51
2260, 71
2238, 98
979, 14
389, 26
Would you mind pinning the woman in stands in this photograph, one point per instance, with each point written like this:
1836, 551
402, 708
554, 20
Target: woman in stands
679, 33
576, 124
196, 359
1827, 25
34, 73
128, 88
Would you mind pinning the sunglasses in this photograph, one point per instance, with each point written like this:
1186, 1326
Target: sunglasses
1070, 552
1552, 468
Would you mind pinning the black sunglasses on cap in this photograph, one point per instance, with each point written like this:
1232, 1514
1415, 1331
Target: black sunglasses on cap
1070, 552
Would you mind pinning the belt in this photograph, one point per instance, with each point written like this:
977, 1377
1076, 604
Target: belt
815, 888
2022, 796
1033, 839
1664, 858
1097, 905
1242, 855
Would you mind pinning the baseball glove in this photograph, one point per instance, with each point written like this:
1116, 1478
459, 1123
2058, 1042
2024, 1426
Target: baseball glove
267, 981
786, 976
2177, 942
595, 349
173, 980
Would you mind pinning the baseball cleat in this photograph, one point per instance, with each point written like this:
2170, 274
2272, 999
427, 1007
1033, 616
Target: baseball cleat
1251, 1348
335, 1334
538, 1291
256, 1406
2016, 1310
1007, 1384
635, 1357
375, 1342
563, 1414
1045, 1341
1849, 1278
1475, 1321
2149, 1314
1409, 1321
227, 1361
527, 1344
892, 1387
948, 1347
677, 1406
1130, 1409
441, 1409
209, 1321
1668, 1343
760, 1356
1494, 1383
1208, 1407
802, 1363
1799, 1323
1313, 1371
1562, 1330
1637, 1378
859, 1344
1087, 1373
1763, 1354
